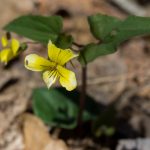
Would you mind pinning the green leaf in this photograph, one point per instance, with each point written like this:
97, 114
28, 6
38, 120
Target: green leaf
64, 41
109, 131
113, 32
92, 51
104, 123
104, 130
58, 107
101, 25
37, 28
130, 27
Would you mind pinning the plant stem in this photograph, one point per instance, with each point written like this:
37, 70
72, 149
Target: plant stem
82, 96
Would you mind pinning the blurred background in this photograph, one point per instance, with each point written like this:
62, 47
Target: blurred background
123, 77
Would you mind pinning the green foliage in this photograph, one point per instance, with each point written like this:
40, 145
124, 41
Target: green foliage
104, 130
130, 27
38, 28
58, 107
104, 123
102, 25
109, 30
23, 47
92, 51
112, 32
64, 41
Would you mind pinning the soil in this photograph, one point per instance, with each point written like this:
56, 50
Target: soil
122, 78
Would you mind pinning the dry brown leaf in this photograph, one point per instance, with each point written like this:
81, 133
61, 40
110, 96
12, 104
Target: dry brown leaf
56, 145
145, 91
36, 135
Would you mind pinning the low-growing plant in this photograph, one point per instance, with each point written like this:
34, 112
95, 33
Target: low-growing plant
67, 108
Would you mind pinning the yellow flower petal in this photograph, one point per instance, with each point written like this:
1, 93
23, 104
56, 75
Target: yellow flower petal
58, 55
36, 63
67, 78
4, 41
6, 55
15, 46
50, 77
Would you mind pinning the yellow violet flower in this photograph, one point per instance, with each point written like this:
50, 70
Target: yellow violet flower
54, 68
9, 49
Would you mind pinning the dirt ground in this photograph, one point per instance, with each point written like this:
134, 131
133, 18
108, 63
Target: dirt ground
123, 76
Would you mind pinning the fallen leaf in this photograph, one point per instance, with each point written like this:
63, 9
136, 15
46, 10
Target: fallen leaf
36, 135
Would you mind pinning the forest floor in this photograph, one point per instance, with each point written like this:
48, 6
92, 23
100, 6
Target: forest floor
123, 77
